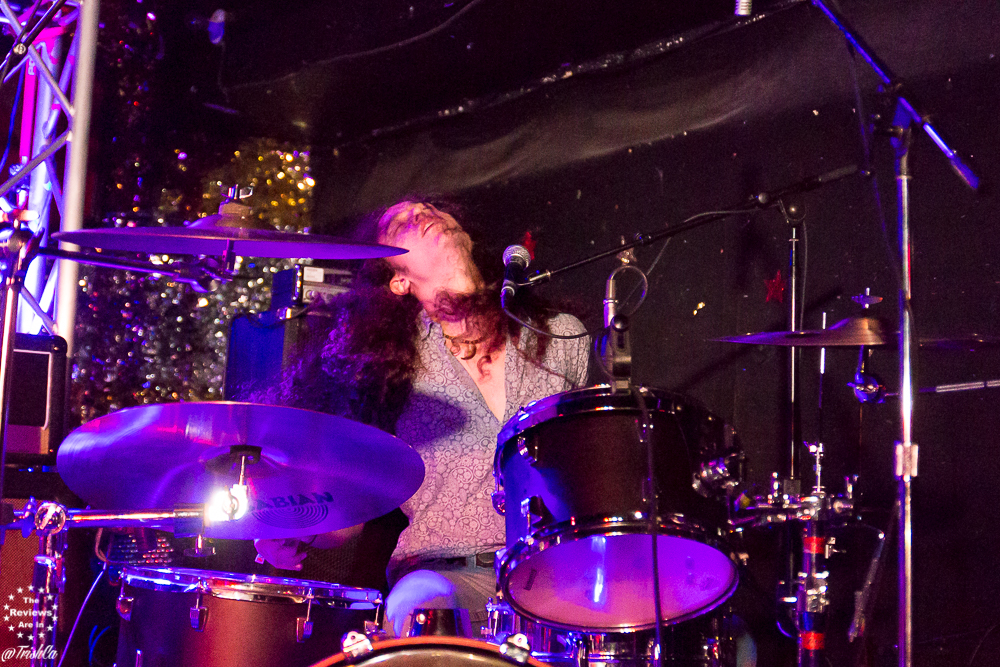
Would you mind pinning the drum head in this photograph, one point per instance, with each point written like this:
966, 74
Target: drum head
430, 652
604, 583
253, 587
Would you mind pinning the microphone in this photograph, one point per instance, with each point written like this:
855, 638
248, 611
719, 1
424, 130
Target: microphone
515, 260
610, 301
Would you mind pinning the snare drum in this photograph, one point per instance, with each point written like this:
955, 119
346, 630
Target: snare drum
201, 618
570, 472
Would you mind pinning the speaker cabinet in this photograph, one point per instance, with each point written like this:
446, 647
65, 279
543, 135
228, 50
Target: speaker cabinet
36, 423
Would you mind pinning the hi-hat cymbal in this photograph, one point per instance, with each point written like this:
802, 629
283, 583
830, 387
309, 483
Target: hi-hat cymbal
317, 472
852, 332
213, 234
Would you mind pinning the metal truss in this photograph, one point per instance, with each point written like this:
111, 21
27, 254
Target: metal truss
52, 61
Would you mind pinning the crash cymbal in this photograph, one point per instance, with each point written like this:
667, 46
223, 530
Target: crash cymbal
852, 332
213, 234
317, 472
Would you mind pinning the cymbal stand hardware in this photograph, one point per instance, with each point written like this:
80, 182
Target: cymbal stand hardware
906, 117
816, 513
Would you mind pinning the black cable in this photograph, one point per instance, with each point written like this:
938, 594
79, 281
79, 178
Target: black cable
981, 640
654, 517
543, 332
79, 614
865, 134
395, 45
648, 271
28, 35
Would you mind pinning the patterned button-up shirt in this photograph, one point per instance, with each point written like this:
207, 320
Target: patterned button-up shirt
448, 422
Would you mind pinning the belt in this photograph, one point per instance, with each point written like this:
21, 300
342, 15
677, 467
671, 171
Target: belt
484, 560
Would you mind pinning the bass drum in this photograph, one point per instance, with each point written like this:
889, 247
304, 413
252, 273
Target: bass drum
571, 471
201, 618
430, 652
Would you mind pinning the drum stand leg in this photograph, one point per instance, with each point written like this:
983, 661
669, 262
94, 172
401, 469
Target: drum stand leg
812, 600
48, 581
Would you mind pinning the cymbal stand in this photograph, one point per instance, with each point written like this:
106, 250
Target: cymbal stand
907, 115
791, 482
49, 520
815, 513
18, 247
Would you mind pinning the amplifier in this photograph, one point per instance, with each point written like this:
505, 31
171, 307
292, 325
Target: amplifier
296, 287
262, 345
36, 421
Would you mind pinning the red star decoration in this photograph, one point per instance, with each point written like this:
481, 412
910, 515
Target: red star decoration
529, 243
775, 288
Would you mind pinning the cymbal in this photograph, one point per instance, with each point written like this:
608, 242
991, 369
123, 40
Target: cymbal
852, 332
858, 331
212, 235
967, 343
316, 472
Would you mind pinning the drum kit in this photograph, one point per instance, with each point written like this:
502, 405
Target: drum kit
621, 502
631, 563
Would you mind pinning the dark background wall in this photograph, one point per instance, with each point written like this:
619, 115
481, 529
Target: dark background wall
586, 122
612, 151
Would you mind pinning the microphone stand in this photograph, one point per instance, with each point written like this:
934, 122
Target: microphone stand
617, 359
907, 115
758, 201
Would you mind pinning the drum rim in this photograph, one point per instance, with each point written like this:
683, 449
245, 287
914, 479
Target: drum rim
251, 587
546, 409
555, 535
395, 645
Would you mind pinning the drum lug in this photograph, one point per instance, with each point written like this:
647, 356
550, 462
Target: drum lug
303, 629
533, 511
529, 455
124, 606
304, 626
198, 614
356, 644
580, 651
374, 632
499, 498
516, 648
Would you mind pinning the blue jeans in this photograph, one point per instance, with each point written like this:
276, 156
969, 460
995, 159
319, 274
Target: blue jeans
444, 583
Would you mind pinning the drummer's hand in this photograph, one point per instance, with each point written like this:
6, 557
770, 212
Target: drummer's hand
285, 554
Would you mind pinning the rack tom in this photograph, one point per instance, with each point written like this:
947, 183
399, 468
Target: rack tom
571, 475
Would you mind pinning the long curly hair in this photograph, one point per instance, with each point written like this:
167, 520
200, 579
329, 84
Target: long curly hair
366, 366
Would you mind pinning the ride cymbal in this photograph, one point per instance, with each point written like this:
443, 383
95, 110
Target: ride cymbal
858, 331
852, 332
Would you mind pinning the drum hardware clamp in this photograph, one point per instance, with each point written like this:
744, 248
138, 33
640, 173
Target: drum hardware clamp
356, 644
517, 648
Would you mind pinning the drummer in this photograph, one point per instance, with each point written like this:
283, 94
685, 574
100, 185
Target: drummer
428, 353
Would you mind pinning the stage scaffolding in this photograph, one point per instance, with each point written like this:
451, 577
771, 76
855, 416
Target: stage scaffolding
52, 64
